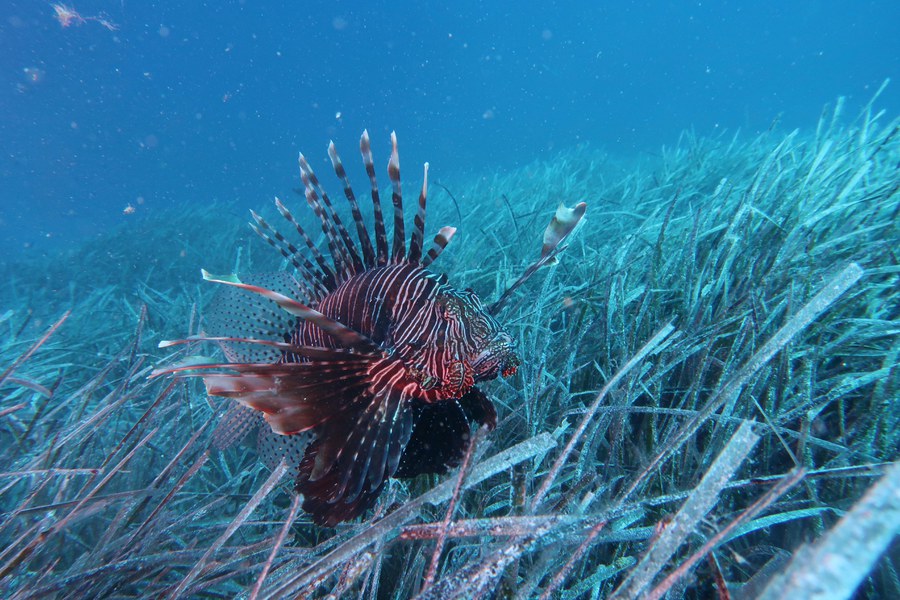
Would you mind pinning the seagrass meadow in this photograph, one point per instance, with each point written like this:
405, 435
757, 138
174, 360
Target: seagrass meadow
707, 404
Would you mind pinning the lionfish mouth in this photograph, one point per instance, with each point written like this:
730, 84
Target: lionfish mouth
498, 358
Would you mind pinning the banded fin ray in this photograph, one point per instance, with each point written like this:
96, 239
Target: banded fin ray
349, 248
417, 240
326, 275
312, 282
367, 250
343, 262
441, 239
561, 225
365, 148
346, 467
398, 252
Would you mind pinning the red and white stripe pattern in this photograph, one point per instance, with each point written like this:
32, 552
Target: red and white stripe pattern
383, 351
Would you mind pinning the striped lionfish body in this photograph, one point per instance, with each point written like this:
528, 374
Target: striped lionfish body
381, 357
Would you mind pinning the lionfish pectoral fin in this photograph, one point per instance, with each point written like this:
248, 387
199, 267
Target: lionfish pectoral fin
564, 221
185, 364
345, 469
346, 336
295, 397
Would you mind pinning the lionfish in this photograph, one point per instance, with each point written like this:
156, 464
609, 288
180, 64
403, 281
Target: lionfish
371, 356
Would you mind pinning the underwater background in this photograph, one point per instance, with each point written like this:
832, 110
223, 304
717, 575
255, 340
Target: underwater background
737, 264
190, 102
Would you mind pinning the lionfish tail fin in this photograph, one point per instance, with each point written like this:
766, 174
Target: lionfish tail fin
561, 225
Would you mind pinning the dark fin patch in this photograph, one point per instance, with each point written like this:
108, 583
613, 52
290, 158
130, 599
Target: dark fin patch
441, 433
399, 250
478, 408
417, 241
315, 493
345, 469
365, 148
439, 439
361, 231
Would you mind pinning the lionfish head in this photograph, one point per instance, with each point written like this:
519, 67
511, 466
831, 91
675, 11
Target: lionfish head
489, 350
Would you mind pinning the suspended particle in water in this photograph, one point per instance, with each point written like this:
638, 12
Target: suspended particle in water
67, 16
33, 75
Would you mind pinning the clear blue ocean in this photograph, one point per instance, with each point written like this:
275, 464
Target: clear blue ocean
188, 102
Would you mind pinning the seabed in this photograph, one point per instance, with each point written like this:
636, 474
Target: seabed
708, 396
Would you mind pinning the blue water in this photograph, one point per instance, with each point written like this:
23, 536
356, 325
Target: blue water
190, 102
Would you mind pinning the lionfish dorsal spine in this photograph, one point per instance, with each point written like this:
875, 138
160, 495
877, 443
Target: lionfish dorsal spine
326, 276
344, 258
417, 240
337, 224
311, 283
362, 232
440, 242
398, 253
365, 147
